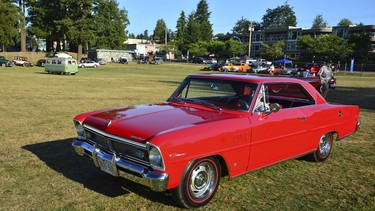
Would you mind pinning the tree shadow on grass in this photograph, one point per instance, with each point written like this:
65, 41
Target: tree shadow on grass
60, 156
363, 97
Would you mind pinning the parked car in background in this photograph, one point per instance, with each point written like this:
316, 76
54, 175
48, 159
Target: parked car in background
260, 62
211, 61
5, 63
143, 60
89, 63
199, 60
214, 67
157, 60
213, 125
313, 68
102, 61
21, 61
263, 68
123, 60
241, 67
41, 62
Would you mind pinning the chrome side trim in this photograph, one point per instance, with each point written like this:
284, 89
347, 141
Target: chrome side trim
123, 168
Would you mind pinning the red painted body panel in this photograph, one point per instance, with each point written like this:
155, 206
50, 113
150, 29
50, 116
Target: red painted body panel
244, 140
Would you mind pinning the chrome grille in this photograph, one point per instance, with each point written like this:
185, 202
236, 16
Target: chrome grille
123, 148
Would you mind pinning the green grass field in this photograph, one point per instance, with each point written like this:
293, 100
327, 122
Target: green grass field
40, 170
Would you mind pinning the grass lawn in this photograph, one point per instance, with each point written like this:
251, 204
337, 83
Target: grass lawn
40, 170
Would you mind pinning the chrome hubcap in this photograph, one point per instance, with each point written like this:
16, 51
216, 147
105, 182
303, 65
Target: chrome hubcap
202, 180
325, 145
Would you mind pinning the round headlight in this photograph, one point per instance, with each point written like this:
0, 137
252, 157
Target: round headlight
155, 158
80, 130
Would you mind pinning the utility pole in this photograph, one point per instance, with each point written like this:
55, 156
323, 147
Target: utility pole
251, 29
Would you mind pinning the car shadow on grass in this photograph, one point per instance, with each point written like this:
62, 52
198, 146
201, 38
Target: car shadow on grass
60, 156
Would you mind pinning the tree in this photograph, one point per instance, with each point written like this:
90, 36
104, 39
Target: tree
232, 47
22, 24
281, 16
79, 25
181, 33
273, 51
198, 48
44, 24
360, 43
325, 47
241, 26
145, 35
192, 30
345, 22
216, 47
8, 24
160, 31
319, 22
110, 24
202, 16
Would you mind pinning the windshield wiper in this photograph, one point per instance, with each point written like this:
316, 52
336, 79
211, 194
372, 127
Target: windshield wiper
203, 102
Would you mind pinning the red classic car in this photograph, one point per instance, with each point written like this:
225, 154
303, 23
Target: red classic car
213, 125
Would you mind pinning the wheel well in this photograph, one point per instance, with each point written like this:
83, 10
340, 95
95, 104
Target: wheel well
223, 164
335, 135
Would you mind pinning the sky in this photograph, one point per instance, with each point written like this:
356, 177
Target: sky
143, 14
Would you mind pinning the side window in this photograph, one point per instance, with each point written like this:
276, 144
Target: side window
288, 95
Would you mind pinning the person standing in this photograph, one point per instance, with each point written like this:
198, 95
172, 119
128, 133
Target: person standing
325, 74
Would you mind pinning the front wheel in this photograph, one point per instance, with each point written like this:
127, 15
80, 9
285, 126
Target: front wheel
199, 183
324, 148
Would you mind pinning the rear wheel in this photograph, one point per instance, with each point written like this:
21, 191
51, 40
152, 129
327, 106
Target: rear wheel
199, 183
3, 65
324, 148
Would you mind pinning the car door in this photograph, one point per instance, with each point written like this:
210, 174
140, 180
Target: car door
276, 136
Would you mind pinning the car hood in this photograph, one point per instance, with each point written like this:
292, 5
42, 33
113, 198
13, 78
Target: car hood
139, 123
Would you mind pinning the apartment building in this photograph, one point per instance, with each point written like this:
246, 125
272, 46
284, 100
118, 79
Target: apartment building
290, 36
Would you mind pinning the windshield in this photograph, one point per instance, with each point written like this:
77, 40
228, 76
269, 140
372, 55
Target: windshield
215, 93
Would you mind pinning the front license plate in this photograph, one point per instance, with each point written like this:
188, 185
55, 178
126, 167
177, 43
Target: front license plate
106, 166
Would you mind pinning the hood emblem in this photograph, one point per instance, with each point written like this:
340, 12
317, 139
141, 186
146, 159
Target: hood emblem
137, 138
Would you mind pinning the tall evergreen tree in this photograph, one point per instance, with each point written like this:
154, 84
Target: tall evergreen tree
193, 29
43, 18
79, 25
8, 24
110, 24
319, 22
181, 34
202, 16
159, 31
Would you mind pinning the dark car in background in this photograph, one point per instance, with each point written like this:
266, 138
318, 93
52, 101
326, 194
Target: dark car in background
199, 60
4, 62
41, 62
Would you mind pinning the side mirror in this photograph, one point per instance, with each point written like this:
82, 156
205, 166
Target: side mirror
274, 107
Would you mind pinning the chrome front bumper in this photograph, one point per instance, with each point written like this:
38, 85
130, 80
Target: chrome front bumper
118, 167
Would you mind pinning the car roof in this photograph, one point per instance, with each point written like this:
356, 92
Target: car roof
264, 79
248, 78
